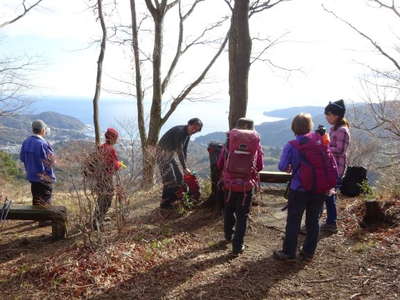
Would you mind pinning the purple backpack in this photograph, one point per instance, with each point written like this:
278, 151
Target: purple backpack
318, 170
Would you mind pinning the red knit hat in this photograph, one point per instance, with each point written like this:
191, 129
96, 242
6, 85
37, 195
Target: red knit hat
111, 133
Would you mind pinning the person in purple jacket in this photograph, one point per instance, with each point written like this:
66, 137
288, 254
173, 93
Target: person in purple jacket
299, 200
38, 158
339, 135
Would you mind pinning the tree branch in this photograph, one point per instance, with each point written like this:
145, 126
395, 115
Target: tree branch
391, 7
375, 44
26, 10
195, 83
179, 51
258, 6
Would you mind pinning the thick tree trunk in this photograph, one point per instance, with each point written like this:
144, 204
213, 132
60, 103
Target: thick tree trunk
155, 112
99, 73
239, 61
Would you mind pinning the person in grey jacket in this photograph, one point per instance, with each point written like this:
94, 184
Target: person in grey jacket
174, 142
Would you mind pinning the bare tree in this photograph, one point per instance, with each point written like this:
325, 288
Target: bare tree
14, 70
158, 10
99, 8
382, 89
240, 47
26, 9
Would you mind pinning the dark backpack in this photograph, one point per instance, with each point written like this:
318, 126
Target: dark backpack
352, 181
318, 169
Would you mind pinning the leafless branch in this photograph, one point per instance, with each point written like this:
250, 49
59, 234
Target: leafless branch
268, 46
229, 4
26, 8
258, 6
179, 48
375, 44
392, 7
185, 92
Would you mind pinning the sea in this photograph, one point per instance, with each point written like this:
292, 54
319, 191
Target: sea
121, 113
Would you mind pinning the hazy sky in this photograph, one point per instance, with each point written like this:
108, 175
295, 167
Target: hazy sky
330, 55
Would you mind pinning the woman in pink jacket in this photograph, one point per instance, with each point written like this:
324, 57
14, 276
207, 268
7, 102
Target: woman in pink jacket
339, 143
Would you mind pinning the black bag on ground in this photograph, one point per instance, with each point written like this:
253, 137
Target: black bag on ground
352, 181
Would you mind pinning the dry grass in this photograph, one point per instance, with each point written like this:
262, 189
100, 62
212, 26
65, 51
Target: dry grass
162, 255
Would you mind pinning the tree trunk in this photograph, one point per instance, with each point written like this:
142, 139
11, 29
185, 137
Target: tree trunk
138, 77
99, 73
155, 111
239, 61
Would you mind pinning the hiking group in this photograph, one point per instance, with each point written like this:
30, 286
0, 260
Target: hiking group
316, 160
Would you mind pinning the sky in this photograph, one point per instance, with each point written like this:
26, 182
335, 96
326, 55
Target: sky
328, 56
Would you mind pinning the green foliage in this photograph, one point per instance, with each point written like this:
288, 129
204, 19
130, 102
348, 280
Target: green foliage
9, 168
367, 191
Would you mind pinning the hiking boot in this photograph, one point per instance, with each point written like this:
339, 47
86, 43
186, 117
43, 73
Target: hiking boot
280, 255
305, 257
228, 237
331, 228
237, 252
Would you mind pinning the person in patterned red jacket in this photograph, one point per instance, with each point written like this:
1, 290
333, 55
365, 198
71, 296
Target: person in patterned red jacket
107, 166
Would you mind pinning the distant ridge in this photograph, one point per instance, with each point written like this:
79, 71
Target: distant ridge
292, 111
14, 129
277, 133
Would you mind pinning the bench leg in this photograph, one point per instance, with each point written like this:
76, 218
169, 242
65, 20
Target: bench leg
59, 230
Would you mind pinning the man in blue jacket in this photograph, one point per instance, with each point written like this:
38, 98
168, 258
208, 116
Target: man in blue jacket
38, 158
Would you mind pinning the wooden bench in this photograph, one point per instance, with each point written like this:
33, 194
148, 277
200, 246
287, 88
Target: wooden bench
275, 177
56, 214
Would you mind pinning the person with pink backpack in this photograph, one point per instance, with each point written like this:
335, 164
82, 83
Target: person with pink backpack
240, 161
314, 174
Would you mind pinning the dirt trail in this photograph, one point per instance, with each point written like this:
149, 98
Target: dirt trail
162, 255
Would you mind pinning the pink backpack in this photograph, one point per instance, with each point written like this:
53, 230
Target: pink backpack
318, 170
240, 173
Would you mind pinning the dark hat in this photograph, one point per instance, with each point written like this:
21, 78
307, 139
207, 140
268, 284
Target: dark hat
336, 108
111, 133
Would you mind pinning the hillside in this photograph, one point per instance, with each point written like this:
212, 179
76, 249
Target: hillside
14, 129
273, 134
276, 134
290, 112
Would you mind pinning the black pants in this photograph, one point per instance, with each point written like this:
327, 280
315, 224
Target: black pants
41, 193
299, 202
170, 172
172, 178
236, 212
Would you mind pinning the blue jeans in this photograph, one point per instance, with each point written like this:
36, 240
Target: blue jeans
236, 212
331, 214
330, 203
299, 202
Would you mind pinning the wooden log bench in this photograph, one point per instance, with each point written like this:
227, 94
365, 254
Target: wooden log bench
275, 177
56, 214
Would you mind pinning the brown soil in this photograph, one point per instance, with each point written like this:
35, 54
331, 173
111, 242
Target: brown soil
162, 255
